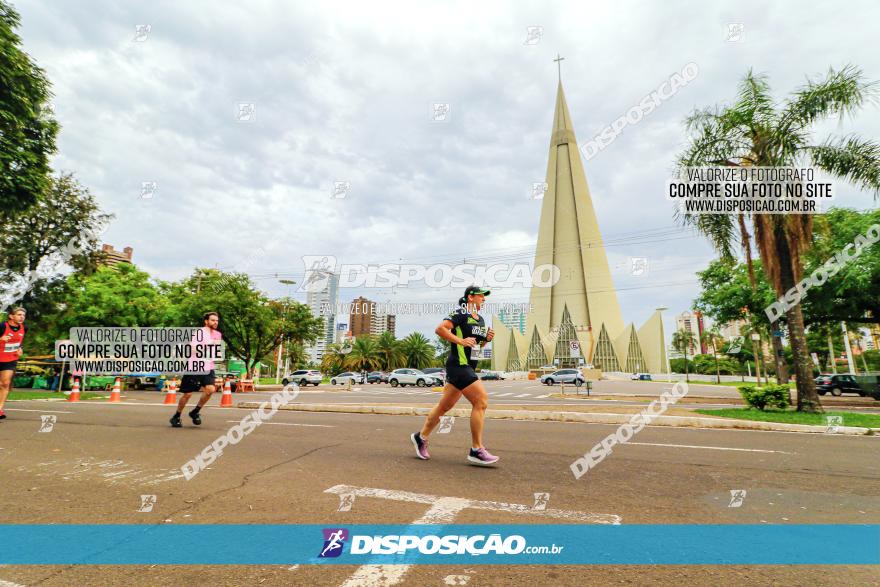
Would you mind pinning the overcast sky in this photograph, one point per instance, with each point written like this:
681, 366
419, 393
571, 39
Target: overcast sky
344, 92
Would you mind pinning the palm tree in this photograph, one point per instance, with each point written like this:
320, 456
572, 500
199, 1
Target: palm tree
333, 359
296, 352
389, 351
364, 355
713, 338
754, 131
441, 346
417, 350
682, 340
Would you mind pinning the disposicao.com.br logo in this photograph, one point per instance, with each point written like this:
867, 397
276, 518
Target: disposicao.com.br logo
454, 544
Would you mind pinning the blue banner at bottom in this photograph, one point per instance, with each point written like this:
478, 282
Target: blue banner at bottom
245, 544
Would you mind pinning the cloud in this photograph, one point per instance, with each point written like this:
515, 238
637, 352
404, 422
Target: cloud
343, 91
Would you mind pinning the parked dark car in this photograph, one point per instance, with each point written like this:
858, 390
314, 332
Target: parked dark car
491, 376
376, 377
838, 385
870, 384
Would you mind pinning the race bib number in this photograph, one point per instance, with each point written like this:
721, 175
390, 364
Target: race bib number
11, 347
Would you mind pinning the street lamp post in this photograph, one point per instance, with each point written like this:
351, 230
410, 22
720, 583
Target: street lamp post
663, 345
288, 283
849, 359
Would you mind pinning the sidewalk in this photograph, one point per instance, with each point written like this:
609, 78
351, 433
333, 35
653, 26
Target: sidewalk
677, 417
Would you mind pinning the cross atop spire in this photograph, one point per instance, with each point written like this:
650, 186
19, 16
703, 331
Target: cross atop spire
558, 61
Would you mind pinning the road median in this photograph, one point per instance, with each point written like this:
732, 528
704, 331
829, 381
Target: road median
686, 421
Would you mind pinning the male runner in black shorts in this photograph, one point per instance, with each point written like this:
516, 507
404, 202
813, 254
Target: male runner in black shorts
203, 381
465, 329
11, 337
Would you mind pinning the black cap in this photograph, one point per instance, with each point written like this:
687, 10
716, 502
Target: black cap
476, 289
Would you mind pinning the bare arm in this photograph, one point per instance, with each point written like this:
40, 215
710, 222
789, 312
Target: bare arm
444, 331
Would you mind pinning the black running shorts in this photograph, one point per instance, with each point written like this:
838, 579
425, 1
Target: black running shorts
460, 376
191, 383
8, 365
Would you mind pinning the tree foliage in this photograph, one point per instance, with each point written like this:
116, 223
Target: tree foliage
27, 126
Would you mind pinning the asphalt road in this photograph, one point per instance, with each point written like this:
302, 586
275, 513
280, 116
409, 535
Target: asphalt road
527, 393
100, 458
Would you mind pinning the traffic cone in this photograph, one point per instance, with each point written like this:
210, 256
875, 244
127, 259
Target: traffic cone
171, 394
74, 392
115, 395
226, 398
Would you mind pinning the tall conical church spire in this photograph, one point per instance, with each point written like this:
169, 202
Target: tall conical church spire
569, 238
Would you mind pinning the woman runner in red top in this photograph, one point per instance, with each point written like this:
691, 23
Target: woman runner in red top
11, 337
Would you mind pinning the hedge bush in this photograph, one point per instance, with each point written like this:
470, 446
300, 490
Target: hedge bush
775, 396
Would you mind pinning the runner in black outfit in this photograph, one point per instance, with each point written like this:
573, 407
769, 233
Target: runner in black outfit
465, 329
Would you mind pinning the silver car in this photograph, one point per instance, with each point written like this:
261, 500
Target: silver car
303, 377
563, 376
344, 378
404, 377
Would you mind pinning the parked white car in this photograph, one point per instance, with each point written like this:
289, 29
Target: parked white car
303, 377
563, 376
404, 377
344, 378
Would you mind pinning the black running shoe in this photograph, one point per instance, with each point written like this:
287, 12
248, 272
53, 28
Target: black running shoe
194, 414
175, 420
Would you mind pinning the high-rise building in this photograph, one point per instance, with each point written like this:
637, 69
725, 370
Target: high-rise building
692, 323
360, 316
110, 256
381, 322
367, 318
577, 320
322, 298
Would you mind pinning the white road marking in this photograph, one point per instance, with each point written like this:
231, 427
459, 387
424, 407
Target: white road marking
289, 424
524, 395
503, 394
9, 583
782, 452
442, 511
41, 411
543, 396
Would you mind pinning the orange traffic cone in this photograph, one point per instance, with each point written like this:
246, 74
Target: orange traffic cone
171, 395
115, 395
226, 399
74, 392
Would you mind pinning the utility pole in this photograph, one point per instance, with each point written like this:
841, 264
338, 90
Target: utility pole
831, 354
849, 359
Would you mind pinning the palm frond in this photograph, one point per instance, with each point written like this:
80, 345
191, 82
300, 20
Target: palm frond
754, 106
842, 92
854, 159
722, 230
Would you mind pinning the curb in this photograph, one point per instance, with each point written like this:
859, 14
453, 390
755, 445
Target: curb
583, 417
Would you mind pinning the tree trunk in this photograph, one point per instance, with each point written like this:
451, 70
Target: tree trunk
778, 356
807, 398
717, 371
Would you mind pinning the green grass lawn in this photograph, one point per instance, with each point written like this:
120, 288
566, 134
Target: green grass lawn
791, 384
14, 395
793, 417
